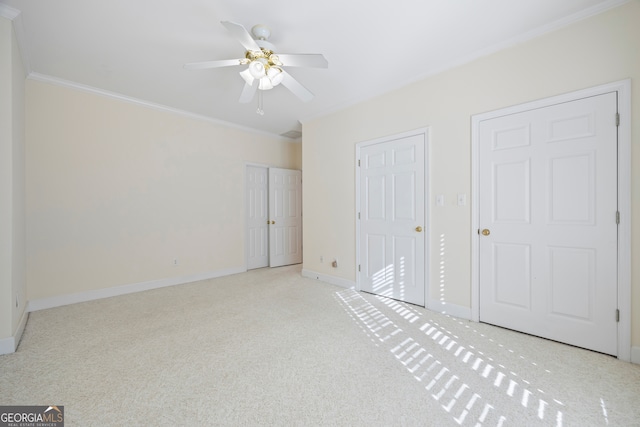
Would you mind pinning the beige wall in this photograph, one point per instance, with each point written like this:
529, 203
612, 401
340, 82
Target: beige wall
599, 50
12, 182
116, 191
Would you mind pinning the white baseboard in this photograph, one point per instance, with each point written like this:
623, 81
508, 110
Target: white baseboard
7, 345
433, 305
448, 308
338, 281
10, 344
60, 300
635, 355
20, 329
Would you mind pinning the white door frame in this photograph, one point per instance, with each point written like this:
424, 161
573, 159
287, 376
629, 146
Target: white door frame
359, 146
623, 88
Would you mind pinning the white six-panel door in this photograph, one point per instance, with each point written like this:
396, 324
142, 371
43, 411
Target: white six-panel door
547, 217
392, 219
285, 214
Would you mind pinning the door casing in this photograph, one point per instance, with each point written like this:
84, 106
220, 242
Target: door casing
623, 89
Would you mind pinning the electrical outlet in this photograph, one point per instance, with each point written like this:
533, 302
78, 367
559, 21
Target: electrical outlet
321, 258
440, 200
175, 261
462, 199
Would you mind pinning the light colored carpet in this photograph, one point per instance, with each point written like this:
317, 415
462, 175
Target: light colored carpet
269, 347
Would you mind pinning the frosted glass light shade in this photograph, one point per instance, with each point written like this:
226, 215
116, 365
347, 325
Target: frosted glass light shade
265, 83
257, 69
275, 75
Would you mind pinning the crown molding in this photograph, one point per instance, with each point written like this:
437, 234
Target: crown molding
18, 29
8, 12
548, 28
524, 37
148, 104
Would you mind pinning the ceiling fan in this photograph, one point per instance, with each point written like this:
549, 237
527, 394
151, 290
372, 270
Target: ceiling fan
265, 69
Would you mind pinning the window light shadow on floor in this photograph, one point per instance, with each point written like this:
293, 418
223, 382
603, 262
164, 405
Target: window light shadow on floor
442, 273
456, 375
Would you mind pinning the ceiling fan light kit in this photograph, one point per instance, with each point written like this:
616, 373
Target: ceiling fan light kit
265, 69
264, 66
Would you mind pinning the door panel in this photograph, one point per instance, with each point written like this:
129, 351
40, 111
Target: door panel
572, 282
548, 197
285, 213
405, 266
392, 195
257, 216
513, 284
571, 196
404, 192
512, 196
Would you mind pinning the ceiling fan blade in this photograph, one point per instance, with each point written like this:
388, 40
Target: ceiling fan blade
248, 91
315, 60
294, 86
242, 35
211, 64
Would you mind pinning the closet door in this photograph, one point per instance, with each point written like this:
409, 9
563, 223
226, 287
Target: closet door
547, 205
285, 217
257, 217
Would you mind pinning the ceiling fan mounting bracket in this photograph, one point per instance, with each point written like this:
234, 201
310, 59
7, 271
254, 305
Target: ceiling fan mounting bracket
261, 32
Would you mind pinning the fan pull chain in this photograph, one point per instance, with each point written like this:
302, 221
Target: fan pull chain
260, 111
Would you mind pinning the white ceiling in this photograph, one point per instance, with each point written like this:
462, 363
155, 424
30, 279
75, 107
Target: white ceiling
137, 48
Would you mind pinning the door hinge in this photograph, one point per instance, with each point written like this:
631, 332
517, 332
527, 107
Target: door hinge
617, 315
358, 162
618, 217
358, 267
617, 119
358, 215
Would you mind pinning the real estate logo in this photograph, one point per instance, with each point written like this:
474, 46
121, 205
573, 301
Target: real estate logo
32, 416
